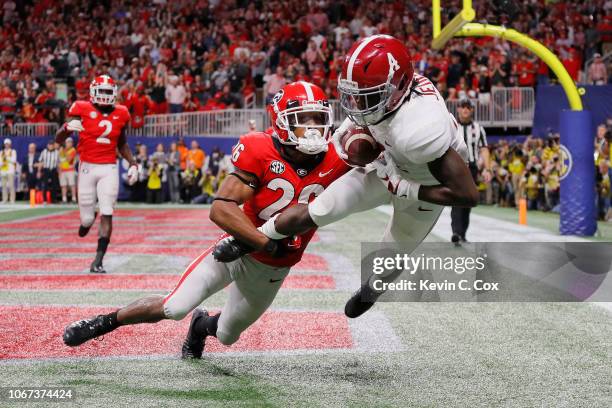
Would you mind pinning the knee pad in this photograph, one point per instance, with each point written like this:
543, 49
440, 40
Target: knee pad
88, 219
227, 338
174, 311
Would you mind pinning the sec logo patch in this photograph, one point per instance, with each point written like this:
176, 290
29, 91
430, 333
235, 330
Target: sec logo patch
567, 162
277, 167
93, 115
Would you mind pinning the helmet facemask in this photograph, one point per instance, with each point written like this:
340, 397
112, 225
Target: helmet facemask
103, 94
316, 118
364, 106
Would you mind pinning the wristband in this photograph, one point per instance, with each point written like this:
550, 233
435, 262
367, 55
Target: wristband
269, 230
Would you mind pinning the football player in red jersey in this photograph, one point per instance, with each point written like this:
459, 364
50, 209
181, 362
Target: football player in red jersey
290, 164
100, 124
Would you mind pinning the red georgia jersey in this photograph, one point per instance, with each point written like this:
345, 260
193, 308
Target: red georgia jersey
98, 142
281, 186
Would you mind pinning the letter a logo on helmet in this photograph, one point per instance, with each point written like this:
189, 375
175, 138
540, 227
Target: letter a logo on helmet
375, 79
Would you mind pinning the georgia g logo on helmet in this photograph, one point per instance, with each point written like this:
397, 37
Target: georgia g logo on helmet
375, 79
301, 117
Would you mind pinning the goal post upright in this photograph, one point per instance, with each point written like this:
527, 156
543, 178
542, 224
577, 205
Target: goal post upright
577, 213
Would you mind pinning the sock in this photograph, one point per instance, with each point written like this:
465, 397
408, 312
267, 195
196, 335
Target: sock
113, 322
207, 325
102, 246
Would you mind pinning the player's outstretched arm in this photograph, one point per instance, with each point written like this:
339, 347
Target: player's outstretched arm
226, 213
72, 125
294, 220
456, 187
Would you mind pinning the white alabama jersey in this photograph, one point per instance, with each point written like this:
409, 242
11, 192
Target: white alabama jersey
420, 131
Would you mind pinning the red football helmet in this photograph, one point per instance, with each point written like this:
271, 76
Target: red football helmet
302, 104
375, 79
103, 90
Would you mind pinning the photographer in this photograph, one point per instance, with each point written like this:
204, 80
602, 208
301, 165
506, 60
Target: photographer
154, 184
190, 179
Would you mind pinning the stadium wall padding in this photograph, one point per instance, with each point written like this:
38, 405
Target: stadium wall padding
578, 211
551, 100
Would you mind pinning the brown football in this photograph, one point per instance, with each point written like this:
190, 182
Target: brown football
360, 146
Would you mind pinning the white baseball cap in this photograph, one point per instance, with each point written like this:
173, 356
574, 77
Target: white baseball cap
69, 139
7, 141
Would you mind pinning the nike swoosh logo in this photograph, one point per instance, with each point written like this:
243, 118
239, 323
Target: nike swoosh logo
424, 209
388, 144
325, 174
275, 280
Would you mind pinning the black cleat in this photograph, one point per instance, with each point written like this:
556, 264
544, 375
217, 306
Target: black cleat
96, 268
193, 346
456, 239
83, 231
361, 301
81, 331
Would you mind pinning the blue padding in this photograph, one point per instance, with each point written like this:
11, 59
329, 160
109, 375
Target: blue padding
578, 212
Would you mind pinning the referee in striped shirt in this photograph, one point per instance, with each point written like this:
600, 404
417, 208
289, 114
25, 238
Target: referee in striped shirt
48, 162
476, 140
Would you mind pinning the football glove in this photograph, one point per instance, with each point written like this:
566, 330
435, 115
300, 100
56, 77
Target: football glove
75, 125
397, 185
132, 175
229, 249
337, 136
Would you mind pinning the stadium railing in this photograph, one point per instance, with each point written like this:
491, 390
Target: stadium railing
29, 129
504, 107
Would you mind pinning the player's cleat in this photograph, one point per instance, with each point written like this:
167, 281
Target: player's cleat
193, 346
456, 239
83, 231
361, 301
81, 331
96, 268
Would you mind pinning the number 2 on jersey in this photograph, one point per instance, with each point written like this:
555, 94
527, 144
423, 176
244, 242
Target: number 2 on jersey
288, 195
108, 127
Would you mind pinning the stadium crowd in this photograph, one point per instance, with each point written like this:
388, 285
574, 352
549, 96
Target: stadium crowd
176, 173
532, 170
175, 56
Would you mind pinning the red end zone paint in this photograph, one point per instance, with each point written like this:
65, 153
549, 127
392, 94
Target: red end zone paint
36, 332
45, 264
189, 251
133, 282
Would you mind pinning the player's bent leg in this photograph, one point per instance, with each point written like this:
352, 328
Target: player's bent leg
107, 190
87, 198
411, 223
253, 291
356, 191
152, 309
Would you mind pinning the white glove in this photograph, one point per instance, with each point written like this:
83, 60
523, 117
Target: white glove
338, 133
75, 125
132, 175
401, 187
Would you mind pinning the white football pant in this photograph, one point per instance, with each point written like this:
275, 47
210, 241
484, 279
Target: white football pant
252, 287
97, 182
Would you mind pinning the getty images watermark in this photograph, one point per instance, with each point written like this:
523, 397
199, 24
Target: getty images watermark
489, 272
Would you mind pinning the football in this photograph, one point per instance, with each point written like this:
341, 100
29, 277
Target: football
360, 146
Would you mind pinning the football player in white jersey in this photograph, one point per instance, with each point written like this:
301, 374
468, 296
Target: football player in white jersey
422, 169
